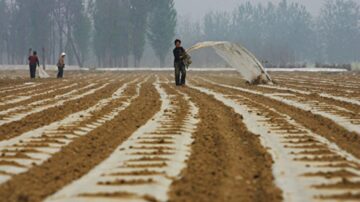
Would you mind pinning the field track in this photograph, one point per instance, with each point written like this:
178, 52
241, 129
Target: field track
134, 136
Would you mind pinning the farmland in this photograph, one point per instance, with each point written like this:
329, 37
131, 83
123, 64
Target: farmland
135, 136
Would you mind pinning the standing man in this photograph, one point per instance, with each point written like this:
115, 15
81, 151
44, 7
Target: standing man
61, 66
33, 62
180, 70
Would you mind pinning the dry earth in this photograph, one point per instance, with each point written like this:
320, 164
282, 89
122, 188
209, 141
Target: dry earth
134, 136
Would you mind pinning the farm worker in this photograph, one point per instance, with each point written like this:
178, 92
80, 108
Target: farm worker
61, 66
180, 70
33, 62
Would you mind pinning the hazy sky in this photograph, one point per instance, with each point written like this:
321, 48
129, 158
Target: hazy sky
196, 9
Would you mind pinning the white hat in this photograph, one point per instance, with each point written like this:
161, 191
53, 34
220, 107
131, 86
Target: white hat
63, 54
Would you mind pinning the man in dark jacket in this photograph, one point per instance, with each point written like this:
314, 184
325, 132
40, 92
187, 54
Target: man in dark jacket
61, 66
180, 70
33, 62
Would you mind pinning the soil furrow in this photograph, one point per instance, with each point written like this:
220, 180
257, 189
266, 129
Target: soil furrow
348, 141
301, 93
340, 116
41, 95
291, 163
40, 144
126, 170
227, 163
50, 115
59, 96
80, 156
5, 115
48, 85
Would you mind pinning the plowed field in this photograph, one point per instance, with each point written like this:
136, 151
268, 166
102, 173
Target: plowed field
135, 136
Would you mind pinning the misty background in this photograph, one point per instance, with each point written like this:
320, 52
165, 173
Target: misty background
199, 8
140, 33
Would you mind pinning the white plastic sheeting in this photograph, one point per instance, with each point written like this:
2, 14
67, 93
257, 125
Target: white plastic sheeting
42, 73
239, 58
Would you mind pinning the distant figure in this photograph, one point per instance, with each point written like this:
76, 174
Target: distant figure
33, 62
61, 66
180, 70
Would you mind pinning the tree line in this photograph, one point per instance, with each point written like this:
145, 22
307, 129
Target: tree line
120, 33
48, 26
111, 31
285, 33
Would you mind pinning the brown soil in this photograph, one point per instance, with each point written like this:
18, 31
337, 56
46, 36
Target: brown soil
347, 196
344, 184
45, 96
45, 139
227, 162
322, 159
53, 114
22, 89
232, 80
349, 141
128, 92
341, 173
6, 82
334, 82
83, 154
351, 107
